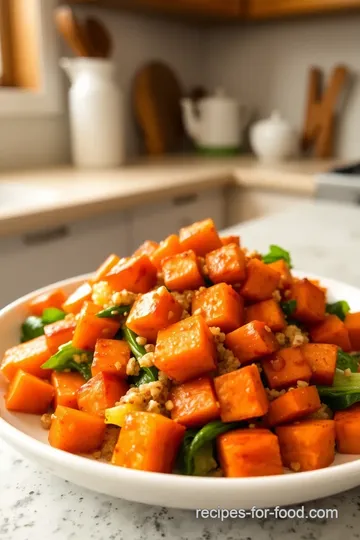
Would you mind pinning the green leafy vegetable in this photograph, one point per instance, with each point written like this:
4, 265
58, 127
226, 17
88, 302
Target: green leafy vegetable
344, 392
113, 311
288, 308
204, 461
146, 375
31, 328
277, 253
64, 359
347, 361
340, 309
52, 314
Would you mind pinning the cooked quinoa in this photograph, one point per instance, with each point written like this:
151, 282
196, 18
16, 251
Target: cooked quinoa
294, 336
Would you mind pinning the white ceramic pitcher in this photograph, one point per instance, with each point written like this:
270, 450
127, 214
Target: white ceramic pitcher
96, 113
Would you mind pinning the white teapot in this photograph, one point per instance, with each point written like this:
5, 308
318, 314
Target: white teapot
274, 139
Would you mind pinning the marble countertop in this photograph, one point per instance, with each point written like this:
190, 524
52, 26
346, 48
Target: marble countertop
323, 238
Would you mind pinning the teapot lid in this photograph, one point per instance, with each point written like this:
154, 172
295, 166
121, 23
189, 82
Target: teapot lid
219, 95
276, 120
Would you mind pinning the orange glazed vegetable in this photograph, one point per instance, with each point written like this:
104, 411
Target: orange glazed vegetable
249, 452
251, 341
100, 393
331, 330
168, 247
347, 424
307, 445
352, 324
76, 431
293, 405
136, 274
321, 358
90, 328
182, 272
152, 312
261, 281
220, 306
110, 356
28, 357
282, 267
225, 240
28, 394
201, 237
58, 333
194, 403
185, 350
267, 311
76, 300
106, 266
310, 302
241, 394
286, 367
226, 264
147, 248
66, 386
53, 298
148, 442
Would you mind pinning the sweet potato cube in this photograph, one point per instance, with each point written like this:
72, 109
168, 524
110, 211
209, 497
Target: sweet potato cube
105, 267
76, 300
201, 237
331, 330
282, 267
194, 402
58, 333
232, 239
100, 393
267, 311
28, 357
148, 442
220, 306
293, 405
54, 298
249, 452
152, 312
307, 445
186, 349
182, 272
136, 274
241, 394
28, 394
321, 358
352, 324
76, 431
90, 328
226, 264
310, 302
251, 341
347, 424
168, 247
261, 281
147, 248
286, 367
66, 386
110, 356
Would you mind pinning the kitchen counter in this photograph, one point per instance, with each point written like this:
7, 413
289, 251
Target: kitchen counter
36, 199
323, 238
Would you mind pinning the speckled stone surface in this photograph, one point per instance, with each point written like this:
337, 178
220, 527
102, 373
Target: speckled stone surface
36, 505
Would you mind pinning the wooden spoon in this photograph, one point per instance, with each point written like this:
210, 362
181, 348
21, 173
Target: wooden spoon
72, 31
99, 38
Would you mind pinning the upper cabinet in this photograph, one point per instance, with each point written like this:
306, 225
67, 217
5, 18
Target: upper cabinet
263, 9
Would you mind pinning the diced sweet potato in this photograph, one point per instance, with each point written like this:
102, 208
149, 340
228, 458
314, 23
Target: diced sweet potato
100, 393
136, 274
261, 281
347, 426
147, 248
28, 394
251, 341
321, 358
331, 330
267, 311
168, 247
241, 394
105, 267
233, 239
54, 298
226, 264
310, 302
90, 328
220, 306
182, 272
58, 333
76, 300
186, 350
249, 452
293, 405
286, 367
317, 284
76, 431
307, 445
110, 356
194, 402
66, 386
152, 312
28, 357
201, 237
352, 324
148, 442
282, 267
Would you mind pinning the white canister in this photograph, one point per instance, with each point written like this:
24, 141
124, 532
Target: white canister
96, 113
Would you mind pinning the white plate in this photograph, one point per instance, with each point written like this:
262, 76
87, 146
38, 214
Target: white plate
25, 434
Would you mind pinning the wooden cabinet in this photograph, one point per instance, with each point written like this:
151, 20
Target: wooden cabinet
263, 9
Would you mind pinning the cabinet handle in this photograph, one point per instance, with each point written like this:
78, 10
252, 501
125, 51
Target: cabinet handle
182, 200
45, 236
